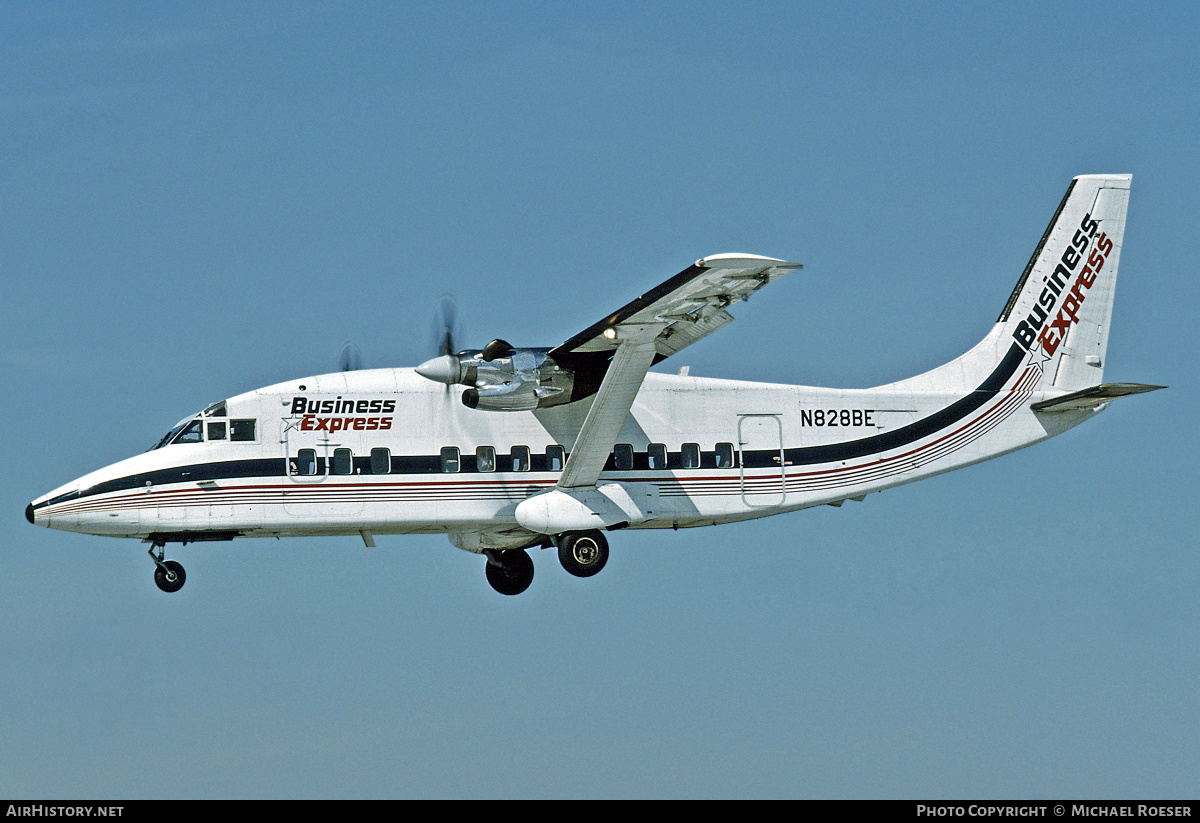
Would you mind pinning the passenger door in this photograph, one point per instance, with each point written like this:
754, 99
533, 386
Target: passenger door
322, 477
760, 446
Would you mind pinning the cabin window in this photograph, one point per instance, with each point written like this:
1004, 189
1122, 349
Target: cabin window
216, 431
485, 459
192, 433
725, 455
656, 456
450, 459
343, 461
623, 457
381, 461
555, 457
242, 430
691, 455
305, 463
520, 458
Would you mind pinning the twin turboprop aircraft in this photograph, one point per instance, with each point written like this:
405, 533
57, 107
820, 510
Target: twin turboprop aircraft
555, 447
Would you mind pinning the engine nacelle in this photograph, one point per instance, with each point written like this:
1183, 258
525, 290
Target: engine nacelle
502, 378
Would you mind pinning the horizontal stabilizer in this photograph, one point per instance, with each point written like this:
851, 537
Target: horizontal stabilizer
1091, 397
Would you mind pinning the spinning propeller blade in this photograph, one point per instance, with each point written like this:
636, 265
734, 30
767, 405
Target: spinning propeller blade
445, 332
350, 358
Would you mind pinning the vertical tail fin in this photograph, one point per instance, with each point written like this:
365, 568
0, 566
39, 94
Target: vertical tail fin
1062, 305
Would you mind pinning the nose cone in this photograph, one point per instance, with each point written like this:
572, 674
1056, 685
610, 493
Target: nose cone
444, 369
29, 512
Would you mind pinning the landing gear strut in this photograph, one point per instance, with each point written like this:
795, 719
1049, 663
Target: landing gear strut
168, 574
583, 553
509, 572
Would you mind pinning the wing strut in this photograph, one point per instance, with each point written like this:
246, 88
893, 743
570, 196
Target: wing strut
617, 351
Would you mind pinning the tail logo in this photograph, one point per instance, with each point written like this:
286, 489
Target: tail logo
1051, 336
1056, 332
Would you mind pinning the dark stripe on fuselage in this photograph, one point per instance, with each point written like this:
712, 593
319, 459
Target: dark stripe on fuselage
431, 464
195, 473
852, 449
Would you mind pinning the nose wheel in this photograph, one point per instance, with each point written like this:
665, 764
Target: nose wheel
168, 574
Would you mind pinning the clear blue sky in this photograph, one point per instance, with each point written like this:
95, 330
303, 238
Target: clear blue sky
199, 199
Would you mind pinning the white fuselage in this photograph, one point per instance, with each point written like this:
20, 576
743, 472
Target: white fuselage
693, 451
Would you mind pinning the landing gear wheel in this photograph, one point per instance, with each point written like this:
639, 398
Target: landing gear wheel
169, 576
509, 572
583, 553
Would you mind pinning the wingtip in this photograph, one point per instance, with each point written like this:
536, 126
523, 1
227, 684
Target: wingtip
740, 260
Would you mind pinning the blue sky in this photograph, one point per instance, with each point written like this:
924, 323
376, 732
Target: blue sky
199, 199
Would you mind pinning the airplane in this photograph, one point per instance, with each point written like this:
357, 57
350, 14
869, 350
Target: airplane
555, 447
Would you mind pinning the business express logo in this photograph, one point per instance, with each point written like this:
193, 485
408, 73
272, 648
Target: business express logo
1059, 285
343, 414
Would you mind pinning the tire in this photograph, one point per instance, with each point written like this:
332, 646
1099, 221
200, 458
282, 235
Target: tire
170, 579
514, 576
583, 553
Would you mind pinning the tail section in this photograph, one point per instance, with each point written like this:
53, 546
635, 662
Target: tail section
1062, 305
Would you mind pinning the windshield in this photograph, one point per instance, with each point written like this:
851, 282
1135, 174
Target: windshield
191, 428
185, 431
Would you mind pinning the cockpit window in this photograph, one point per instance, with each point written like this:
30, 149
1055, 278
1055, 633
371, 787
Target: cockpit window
176, 430
241, 430
166, 438
193, 432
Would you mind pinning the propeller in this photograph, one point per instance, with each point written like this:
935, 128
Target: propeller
445, 334
444, 338
350, 357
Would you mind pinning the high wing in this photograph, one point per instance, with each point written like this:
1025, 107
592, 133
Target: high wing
688, 306
617, 351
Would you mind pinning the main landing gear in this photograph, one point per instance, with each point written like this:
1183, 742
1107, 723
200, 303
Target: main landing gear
583, 553
168, 574
511, 571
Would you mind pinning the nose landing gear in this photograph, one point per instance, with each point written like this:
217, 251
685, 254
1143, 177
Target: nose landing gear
168, 574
